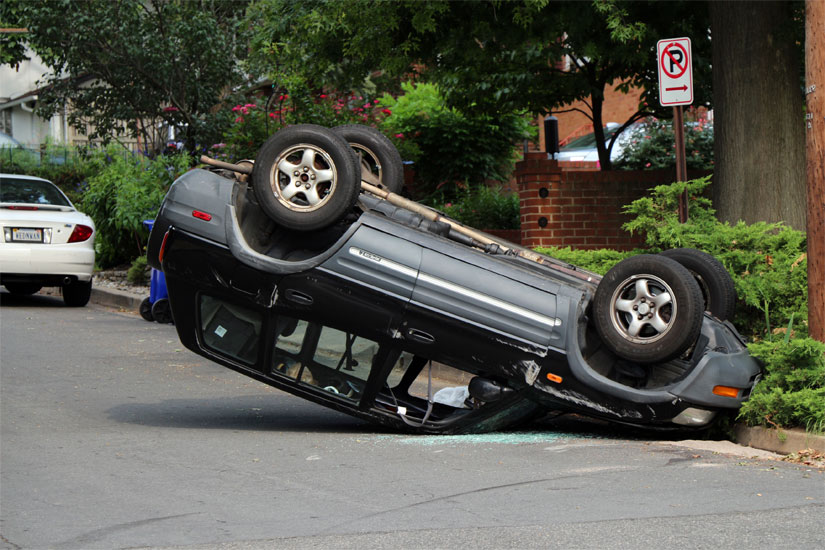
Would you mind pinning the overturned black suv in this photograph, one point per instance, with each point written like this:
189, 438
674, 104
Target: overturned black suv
305, 270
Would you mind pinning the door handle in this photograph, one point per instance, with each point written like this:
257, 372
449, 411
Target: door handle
298, 297
420, 336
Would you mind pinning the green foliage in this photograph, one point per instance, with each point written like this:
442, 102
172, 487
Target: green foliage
483, 207
598, 261
138, 62
138, 273
127, 190
12, 45
451, 147
255, 122
768, 262
651, 146
488, 57
792, 392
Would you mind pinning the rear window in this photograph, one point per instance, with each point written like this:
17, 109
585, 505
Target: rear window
24, 191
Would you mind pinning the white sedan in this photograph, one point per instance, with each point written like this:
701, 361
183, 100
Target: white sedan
45, 240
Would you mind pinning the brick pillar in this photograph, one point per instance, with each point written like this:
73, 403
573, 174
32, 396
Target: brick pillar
538, 179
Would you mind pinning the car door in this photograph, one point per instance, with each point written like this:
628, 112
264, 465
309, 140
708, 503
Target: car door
465, 311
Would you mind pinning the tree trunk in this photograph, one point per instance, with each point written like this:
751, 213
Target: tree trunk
759, 150
815, 132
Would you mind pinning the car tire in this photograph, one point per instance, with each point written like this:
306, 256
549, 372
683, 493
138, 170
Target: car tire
77, 293
162, 312
648, 309
145, 310
24, 289
306, 177
375, 154
716, 284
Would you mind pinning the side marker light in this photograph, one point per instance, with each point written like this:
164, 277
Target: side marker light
554, 378
726, 391
202, 215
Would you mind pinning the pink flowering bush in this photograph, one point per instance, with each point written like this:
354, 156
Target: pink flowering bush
253, 123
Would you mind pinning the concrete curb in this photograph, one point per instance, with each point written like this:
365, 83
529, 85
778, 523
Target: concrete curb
779, 440
774, 440
121, 299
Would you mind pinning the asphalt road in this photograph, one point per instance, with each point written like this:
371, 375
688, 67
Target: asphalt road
114, 436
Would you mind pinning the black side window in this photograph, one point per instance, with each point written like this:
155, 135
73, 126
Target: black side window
324, 357
230, 330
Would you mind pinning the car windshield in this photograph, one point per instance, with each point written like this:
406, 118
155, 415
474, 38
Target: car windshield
26, 191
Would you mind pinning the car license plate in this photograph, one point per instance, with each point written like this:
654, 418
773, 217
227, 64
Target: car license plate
26, 234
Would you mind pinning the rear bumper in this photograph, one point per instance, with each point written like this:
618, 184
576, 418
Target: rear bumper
46, 262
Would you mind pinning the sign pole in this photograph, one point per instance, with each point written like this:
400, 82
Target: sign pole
675, 66
681, 161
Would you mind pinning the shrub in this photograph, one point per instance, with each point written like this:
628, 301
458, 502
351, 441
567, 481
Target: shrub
792, 392
124, 193
650, 146
450, 147
484, 207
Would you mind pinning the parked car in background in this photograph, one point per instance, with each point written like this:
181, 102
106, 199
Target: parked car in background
583, 148
45, 240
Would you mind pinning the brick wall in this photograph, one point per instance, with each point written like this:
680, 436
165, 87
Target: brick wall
580, 209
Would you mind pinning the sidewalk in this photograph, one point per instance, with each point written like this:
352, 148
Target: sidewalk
778, 441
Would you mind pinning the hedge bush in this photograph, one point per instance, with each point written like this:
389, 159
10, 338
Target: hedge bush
792, 392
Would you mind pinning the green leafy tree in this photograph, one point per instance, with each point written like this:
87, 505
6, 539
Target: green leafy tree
488, 57
125, 65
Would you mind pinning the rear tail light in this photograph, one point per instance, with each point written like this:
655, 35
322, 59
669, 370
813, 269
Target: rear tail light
80, 233
162, 250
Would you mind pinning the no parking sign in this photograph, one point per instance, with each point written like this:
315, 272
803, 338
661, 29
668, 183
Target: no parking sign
675, 71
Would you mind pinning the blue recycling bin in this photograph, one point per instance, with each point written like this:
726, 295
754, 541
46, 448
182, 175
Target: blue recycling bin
156, 306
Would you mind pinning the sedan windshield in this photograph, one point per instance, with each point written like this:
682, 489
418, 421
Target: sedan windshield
26, 191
